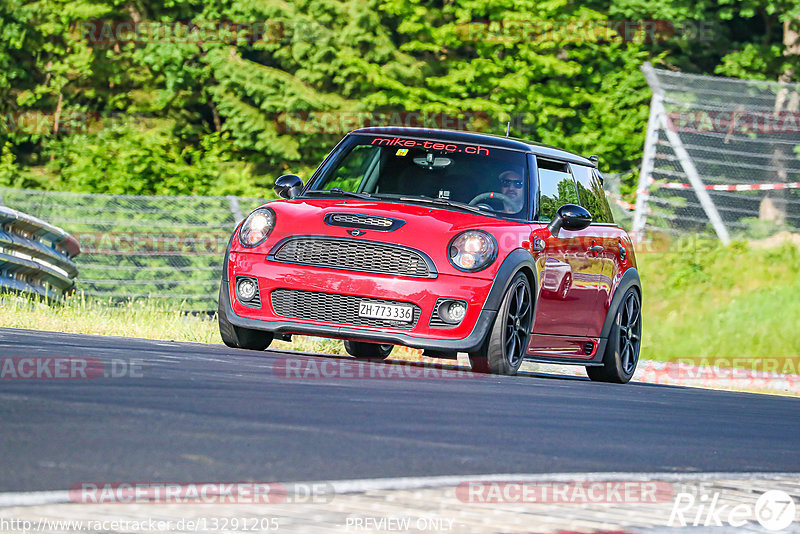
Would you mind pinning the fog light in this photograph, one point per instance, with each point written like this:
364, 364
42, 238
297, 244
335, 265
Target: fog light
452, 311
246, 288
457, 311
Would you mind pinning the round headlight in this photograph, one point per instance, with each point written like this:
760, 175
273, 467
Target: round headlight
472, 250
256, 227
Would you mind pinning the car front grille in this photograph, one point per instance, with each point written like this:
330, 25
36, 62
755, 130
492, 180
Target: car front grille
352, 255
332, 308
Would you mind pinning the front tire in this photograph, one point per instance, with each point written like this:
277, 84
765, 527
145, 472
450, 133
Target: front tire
504, 348
237, 337
367, 351
624, 342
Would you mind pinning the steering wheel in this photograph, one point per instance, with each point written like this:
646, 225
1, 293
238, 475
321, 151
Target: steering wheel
487, 196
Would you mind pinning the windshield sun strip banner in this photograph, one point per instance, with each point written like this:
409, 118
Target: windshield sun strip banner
428, 144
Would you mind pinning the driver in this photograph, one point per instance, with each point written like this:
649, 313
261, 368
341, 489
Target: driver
511, 186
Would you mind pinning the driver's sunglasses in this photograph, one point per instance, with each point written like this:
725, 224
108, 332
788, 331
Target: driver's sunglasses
511, 183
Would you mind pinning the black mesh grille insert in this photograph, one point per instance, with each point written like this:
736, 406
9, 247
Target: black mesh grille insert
331, 308
354, 255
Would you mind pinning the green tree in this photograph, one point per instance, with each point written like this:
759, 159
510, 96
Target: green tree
183, 112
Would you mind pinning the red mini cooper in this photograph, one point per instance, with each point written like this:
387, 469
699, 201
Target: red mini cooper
444, 241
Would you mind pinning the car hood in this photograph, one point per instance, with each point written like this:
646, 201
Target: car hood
426, 228
438, 218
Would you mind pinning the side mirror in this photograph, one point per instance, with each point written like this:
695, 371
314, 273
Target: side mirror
570, 217
288, 186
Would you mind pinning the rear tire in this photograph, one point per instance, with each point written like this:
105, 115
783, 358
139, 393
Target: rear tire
504, 348
237, 337
367, 351
624, 341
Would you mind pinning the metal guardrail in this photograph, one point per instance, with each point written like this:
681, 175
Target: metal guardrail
35, 256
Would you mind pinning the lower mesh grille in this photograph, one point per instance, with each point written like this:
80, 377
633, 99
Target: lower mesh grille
331, 308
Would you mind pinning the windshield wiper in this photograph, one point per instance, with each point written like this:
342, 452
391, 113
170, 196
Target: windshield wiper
443, 202
342, 192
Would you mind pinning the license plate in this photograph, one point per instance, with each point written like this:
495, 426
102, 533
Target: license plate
388, 312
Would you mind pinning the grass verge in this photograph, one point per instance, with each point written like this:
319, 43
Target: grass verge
706, 301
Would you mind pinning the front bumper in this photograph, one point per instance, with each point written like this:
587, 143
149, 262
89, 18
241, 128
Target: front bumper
482, 296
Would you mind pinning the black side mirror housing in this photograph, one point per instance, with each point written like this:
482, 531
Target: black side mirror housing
288, 186
570, 217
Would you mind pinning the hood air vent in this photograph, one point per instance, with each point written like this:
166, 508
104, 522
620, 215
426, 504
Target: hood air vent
364, 222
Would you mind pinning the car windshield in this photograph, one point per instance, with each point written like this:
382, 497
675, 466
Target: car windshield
489, 179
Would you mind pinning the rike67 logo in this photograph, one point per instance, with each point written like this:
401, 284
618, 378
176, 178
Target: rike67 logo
774, 510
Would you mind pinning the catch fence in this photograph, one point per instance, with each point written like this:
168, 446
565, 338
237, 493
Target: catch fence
721, 157
164, 247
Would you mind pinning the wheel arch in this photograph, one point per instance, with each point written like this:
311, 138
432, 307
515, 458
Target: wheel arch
519, 260
629, 279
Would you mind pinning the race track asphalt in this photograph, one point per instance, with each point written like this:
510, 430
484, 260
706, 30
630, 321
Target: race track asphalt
191, 412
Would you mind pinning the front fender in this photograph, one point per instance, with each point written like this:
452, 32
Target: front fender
519, 260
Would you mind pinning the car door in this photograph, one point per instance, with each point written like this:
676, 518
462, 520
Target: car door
605, 237
565, 267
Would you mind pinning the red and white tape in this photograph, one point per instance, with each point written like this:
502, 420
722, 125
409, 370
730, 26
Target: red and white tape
731, 187
716, 187
619, 202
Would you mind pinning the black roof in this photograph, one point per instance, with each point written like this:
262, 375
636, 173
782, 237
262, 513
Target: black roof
479, 139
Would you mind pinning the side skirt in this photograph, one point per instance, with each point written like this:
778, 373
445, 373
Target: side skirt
595, 361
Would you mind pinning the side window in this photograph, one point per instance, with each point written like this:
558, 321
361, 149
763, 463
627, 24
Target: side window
556, 188
590, 190
357, 165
